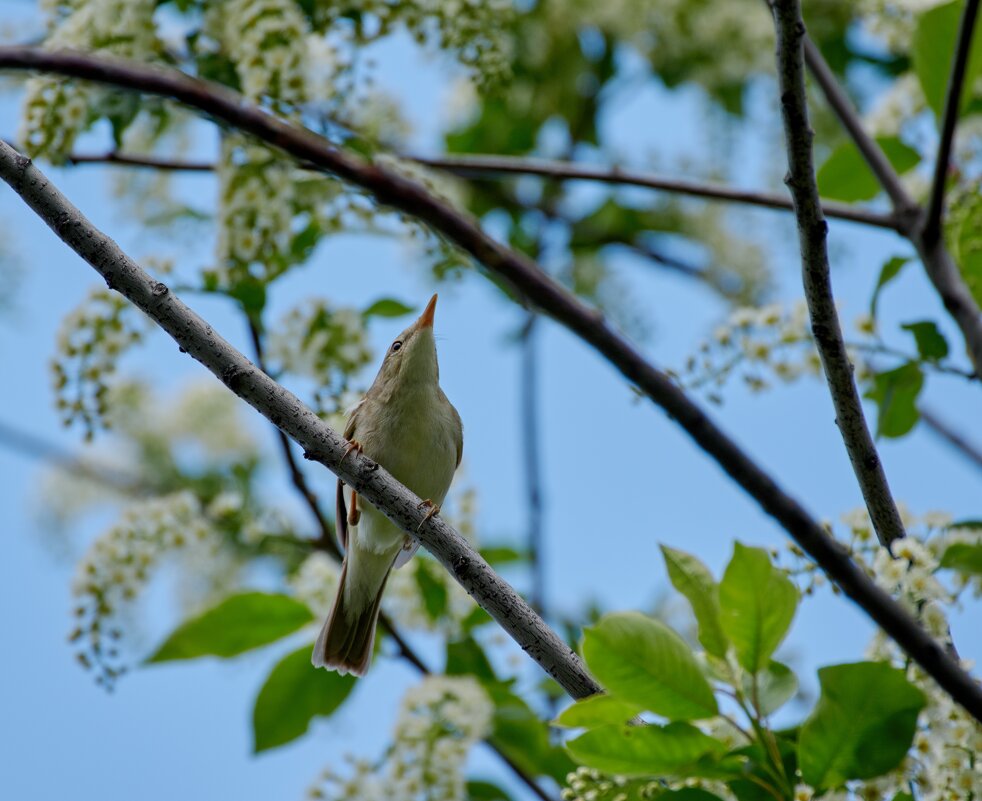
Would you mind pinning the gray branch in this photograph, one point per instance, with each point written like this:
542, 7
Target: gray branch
812, 232
288, 413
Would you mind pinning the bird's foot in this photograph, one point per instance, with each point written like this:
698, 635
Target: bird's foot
353, 445
432, 509
354, 515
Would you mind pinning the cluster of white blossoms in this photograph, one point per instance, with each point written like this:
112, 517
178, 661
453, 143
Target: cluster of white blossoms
327, 344
757, 344
941, 765
440, 719
266, 41
119, 564
893, 21
57, 110
315, 582
90, 341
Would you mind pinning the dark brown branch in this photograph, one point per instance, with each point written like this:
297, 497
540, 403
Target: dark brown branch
817, 279
322, 444
943, 429
956, 81
489, 167
327, 542
940, 268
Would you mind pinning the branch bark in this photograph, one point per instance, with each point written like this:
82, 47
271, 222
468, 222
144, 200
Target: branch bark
812, 232
940, 267
322, 444
935, 206
944, 430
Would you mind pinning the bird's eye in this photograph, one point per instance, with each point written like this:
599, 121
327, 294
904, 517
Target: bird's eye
397, 344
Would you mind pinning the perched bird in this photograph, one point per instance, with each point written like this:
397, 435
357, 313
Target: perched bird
407, 425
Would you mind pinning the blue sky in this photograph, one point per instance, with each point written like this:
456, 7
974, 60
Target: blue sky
620, 478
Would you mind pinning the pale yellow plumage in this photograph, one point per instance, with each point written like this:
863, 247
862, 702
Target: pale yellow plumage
407, 425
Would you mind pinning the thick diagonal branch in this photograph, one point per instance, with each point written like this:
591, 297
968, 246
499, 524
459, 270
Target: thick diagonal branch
940, 267
812, 232
322, 444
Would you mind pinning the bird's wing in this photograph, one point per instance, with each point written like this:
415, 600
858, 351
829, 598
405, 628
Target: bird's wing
458, 434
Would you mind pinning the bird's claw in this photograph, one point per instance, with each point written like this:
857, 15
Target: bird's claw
432, 508
353, 445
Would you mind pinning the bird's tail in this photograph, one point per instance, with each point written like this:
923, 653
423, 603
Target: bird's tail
346, 639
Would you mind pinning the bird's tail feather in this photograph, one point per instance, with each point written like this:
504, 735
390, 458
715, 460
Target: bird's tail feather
346, 639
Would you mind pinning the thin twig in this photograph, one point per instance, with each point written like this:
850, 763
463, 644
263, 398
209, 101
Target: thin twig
816, 276
940, 267
491, 167
952, 107
322, 444
943, 429
326, 541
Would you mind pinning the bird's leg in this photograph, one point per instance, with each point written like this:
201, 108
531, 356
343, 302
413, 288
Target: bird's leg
354, 515
432, 509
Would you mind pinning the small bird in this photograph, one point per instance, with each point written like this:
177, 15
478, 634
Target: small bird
407, 425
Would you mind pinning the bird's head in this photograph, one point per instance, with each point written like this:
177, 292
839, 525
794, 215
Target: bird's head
411, 358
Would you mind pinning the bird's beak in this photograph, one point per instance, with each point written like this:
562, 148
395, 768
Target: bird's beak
426, 318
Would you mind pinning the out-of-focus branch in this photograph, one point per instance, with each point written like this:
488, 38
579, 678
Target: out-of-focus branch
952, 106
816, 275
955, 438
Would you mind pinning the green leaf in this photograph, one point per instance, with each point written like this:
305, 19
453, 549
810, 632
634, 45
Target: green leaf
597, 710
294, 693
931, 344
692, 578
485, 791
932, 49
432, 588
776, 685
238, 624
963, 557
890, 270
387, 307
971, 525
846, 176
643, 750
466, 657
862, 725
895, 393
501, 555
645, 663
251, 294
523, 737
758, 602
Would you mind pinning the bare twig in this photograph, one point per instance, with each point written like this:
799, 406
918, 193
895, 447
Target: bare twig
959, 63
943, 429
938, 264
36, 448
490, 167
812, 232
322, 444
